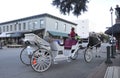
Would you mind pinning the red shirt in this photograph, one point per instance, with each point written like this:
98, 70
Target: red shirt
72, 34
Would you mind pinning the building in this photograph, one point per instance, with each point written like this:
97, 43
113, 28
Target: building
83, 28
42, 25
114, 30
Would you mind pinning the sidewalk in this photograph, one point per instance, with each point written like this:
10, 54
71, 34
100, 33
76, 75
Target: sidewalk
99, 71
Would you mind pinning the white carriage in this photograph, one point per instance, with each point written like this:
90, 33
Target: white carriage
42, 54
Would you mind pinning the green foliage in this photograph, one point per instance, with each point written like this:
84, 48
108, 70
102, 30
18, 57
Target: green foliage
74, 6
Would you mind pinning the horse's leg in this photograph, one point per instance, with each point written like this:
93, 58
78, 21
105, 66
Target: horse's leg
96, 51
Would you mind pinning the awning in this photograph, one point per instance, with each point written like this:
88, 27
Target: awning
18, 34
3, 35
113, 30
36, 31
58, 34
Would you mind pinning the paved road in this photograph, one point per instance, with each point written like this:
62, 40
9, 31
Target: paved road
11, 66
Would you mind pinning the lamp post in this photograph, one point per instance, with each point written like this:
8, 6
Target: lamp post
112, 52
111, 11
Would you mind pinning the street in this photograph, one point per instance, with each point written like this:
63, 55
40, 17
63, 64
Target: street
11, 66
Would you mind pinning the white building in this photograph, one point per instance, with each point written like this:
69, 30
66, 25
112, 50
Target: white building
43, 24
82, 28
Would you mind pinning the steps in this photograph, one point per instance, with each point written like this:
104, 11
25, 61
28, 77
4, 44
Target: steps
112, 72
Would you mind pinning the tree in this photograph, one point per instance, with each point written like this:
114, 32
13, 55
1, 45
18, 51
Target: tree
74, 6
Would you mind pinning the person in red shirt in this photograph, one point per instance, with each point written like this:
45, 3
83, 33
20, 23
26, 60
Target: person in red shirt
72, 33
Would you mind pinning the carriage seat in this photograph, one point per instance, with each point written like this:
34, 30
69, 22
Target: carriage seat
69, 42
55, 46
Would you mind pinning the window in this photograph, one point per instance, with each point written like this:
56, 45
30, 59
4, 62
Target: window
64, 27
34, 24
82, 21
19, 25
15, 27
0, 30
29, 25
7, 28
41, 23
71, 27
3, 28
56, 25
10, 27
24, 26
82, 26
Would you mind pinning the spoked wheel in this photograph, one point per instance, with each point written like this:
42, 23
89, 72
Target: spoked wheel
41, 60
75, 55
88, 55
24, 57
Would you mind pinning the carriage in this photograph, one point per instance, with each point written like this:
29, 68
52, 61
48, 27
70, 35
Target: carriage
40, 54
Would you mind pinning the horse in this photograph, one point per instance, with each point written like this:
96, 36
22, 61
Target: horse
95, 41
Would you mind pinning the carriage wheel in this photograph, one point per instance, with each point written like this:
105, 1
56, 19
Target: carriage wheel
74, 57
88, 55
24, 57
41, 60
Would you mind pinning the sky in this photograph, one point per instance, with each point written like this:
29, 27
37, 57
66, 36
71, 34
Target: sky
98, 12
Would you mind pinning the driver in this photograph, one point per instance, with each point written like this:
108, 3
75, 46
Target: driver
72, 33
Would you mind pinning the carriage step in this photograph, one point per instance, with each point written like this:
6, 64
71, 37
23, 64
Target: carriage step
60, 58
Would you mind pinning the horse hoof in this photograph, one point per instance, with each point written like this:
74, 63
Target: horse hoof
99, 56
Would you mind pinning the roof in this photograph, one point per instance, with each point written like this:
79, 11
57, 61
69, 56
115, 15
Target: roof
113, 30
38, 16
